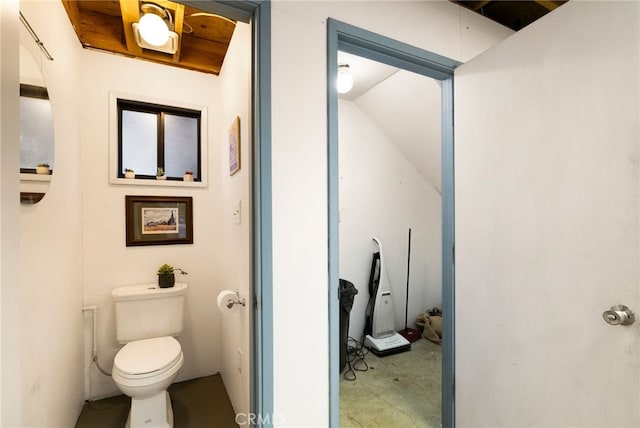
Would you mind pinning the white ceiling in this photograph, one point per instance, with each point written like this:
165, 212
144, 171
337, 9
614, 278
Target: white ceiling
406, 108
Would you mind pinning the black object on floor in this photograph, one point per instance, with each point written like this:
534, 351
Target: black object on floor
411, 334
356, 352
347, 293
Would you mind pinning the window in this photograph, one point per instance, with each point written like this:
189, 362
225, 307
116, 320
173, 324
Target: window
152, 136
36, 128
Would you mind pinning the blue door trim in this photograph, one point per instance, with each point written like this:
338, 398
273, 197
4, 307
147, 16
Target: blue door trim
383, 49
262, 379
354, 40
333, 241
448, 257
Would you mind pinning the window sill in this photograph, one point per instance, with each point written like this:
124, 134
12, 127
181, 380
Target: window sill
161, 183
26, 177
34, 184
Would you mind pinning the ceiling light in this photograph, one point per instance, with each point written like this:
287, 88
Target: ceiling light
153, 29
345, 79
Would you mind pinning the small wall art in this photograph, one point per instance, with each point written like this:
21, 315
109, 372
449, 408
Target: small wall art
158, 220
234, 146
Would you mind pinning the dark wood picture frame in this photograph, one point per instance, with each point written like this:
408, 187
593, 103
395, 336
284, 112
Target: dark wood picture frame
158, 220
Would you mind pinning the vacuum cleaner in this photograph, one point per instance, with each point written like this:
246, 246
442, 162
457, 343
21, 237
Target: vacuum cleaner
380, 335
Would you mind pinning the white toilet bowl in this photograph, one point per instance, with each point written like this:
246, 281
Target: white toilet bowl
143, 370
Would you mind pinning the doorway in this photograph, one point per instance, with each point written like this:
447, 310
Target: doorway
390, 190
259, 15
356, 41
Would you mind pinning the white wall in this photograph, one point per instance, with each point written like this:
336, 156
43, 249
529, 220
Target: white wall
10, 294
382, 194
299, 164
50, 243
235, 267
547, 189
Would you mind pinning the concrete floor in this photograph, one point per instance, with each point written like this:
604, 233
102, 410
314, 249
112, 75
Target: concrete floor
401, 390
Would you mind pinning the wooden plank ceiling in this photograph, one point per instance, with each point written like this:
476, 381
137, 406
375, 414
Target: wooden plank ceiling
203, 38
513, 14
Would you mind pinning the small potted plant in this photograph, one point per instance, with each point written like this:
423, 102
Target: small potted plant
42, 168
129, 173
188, 176
160, 174
166, 275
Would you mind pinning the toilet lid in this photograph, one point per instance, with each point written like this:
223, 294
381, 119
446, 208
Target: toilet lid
148, 355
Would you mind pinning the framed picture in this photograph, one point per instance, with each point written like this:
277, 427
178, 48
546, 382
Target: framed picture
158, 220
234, 146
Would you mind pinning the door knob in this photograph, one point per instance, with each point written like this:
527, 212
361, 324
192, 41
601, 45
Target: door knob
619, 315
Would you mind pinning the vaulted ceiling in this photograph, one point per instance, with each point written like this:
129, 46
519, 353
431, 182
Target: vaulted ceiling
203, 38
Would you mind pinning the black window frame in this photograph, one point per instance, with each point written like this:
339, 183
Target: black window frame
160, 110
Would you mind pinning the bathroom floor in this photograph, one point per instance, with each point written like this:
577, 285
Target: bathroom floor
401, 390
196, 403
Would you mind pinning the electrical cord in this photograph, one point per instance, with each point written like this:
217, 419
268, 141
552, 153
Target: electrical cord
356, 352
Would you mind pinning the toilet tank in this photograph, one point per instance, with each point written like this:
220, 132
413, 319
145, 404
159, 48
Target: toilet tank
146, 311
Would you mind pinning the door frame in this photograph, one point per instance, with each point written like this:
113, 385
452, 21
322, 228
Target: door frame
357, 41
258, 14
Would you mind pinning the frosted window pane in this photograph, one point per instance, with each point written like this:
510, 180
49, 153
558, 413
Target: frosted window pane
36, 132
180, 145
139, 142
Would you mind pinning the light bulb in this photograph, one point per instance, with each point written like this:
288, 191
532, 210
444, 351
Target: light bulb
153, 29
345, 79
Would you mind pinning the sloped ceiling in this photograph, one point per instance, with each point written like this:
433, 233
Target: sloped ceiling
406, 108
416, 132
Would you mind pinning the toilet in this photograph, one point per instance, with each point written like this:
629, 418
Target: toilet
147, 318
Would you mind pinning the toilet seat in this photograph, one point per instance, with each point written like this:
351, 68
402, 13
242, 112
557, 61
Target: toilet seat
148, 358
